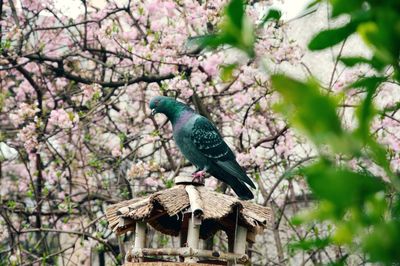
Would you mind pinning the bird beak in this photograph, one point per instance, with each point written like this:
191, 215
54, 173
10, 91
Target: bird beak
153, 112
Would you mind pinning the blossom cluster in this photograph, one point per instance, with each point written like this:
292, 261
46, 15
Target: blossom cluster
74, 95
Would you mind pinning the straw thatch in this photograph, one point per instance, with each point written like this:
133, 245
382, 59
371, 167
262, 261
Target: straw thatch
164, 210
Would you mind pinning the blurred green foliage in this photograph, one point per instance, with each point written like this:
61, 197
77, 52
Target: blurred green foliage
273, 14
355, 202
363, 210
235, 30
378, 24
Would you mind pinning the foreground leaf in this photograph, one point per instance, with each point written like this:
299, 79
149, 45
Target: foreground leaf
328, 38
312, 112
341, 186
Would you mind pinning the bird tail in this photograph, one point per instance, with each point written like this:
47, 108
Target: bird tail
237, 185
242, 191
233, 168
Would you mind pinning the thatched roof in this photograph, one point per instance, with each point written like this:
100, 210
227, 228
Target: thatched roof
164, 210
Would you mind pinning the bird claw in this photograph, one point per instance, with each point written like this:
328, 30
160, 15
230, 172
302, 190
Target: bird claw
199, 176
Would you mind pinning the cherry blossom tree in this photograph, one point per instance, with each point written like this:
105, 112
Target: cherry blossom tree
76, 133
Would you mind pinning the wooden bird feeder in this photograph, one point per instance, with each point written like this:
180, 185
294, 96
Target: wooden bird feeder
194, 213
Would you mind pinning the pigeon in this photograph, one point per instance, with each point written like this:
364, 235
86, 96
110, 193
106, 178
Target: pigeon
201, 143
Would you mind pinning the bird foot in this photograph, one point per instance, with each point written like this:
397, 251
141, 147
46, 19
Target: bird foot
199, 176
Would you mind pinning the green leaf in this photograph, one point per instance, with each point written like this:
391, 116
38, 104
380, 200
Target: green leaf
227, 72
345, 6
383, 243
382, 33
379, 155
313, 4
273, 14
328, 38
309, 244
344, 233
235, 30
311, 112
369, 83
339, 262
235, 13
352, 61
366, 111
341, 186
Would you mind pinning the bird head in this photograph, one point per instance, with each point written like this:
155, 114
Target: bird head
161, 104
168, 106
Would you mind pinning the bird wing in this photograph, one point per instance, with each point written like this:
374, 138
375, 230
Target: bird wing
209, 142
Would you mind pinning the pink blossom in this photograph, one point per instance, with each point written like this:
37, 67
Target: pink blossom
28, 136
241, 99
237, 86
393, 143
33, 4
338, 86
24, 112
90, 91
346, 79
169, 7
285, 145
24, 91
186, 92
62, 119
244, 159
388, 95
388, 122
61, 84
138, 169
49, 103
395, 164
238, 129
254, 153
130, 35
211, 65
15, 119
248, 75
198, 80
61, 195
184, 87
157, 25
23, 185
166, 69
50, 177
116, 152
150, 181
153, 6
101, 13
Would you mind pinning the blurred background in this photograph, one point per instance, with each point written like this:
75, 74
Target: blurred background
76, 134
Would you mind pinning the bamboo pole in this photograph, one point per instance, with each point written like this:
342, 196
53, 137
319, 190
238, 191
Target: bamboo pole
140, 236
193, 235
164, 263
194, 223
196, 204
189, 252
240, 240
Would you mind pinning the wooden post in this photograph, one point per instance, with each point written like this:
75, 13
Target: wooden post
193, 235
240, 240
195, 201
189, 252
140, 236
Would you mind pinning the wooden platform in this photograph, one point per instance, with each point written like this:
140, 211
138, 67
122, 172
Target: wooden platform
164, 264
